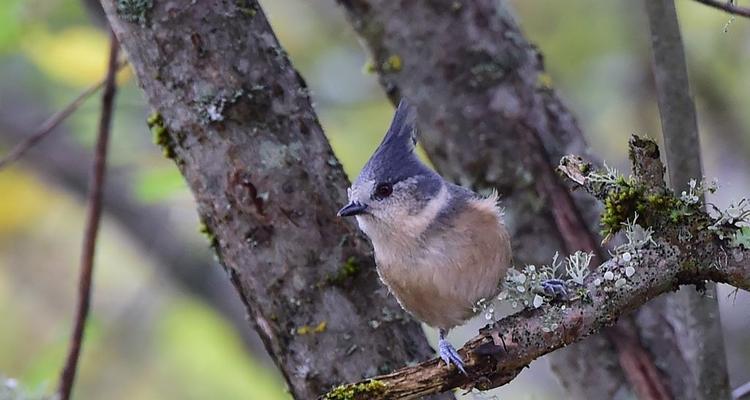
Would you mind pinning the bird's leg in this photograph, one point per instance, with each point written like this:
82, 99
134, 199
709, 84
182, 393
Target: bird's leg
448, 353
555, 288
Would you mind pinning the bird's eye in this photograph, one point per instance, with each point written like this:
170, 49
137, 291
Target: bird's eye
383, 190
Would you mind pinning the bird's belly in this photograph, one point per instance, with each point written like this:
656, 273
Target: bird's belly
442, 295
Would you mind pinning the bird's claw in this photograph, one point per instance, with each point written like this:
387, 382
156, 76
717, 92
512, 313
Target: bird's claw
449, 354
555, 288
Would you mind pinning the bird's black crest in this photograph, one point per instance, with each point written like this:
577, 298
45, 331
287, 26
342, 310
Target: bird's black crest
394, 159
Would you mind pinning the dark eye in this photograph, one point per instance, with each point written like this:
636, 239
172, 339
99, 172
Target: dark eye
383, 190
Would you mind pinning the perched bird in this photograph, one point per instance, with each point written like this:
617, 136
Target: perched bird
439, 247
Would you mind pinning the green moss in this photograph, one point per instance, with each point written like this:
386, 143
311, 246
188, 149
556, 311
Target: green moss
621, 205
585, 168
246, 8
368, 68
160, 134
366, 390
307, 329
347, 271
209, 234
392, 64
627, 197
134, 10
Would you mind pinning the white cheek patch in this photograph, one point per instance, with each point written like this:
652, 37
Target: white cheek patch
361, 192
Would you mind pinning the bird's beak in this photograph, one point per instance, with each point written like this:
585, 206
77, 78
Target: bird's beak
353, 208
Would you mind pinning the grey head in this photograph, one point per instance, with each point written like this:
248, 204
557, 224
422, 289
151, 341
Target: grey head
394, 184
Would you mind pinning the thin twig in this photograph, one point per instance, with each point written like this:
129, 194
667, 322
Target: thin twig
92, 225
52, 122
727, 6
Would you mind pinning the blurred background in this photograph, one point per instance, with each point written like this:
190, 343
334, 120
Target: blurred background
166, 324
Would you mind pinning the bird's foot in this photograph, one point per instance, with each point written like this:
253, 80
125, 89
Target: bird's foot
555, 288
449, 354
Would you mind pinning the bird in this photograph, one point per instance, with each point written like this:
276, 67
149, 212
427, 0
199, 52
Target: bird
439, 247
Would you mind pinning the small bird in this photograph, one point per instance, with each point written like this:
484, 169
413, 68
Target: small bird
439, 247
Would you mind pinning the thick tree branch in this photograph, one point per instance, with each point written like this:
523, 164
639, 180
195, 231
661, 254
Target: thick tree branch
702, 345
661, 263
96, 192
237, 119
728, 6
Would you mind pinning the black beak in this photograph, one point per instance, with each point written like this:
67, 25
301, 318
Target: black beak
353, 208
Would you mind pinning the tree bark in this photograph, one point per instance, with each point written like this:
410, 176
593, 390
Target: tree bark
695, 316
237, 119
490, 119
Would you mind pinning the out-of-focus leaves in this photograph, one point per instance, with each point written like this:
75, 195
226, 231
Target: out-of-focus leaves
21, 200
197, 346
76, 56
11, 24
158, 184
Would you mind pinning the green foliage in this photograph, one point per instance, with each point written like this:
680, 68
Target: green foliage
197, 346
11, 24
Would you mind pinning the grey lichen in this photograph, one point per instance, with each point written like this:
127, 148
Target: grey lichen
135, 11
213, 108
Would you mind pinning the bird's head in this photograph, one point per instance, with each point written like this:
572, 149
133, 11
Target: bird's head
394, 186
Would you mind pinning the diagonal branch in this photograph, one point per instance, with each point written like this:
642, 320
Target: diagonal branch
729, 6
668, 259
96, 190
53, 122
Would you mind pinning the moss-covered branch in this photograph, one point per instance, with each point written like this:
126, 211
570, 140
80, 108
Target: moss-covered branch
671, 241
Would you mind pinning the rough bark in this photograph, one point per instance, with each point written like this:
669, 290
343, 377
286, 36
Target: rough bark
237, 119
184, 260
490, 119
663, 258
695, 316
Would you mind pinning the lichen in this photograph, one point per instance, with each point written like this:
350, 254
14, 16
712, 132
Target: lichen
213, 108
348, 270
307, 329
160, 134
135, 11
365, 390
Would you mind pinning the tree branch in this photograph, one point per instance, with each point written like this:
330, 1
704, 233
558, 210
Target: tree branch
727, 5
96, 192
52, 122
702, 345
661, 263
